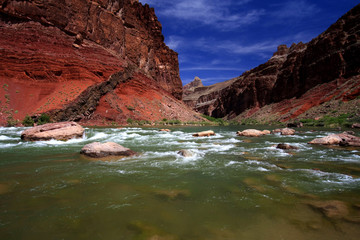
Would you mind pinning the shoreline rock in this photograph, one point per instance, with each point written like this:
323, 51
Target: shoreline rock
101, 150
60, 131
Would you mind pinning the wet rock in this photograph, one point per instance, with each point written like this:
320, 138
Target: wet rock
252, 133
185, 153
254, 184
356, 125
274, 179
148, 232
286, 146
332, 209
342, 139
278, 130
174, 194
287, 131
204, 134
100, 150
59, 131
164, 130
328, 140
266, 132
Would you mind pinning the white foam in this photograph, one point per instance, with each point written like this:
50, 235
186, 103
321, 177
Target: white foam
99, 135
327, 177
4, 138
58, 142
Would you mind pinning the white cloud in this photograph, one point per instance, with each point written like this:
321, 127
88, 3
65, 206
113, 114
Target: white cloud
174, 42
235, 48
216, 13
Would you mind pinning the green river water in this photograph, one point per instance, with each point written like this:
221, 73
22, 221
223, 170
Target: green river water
231, 188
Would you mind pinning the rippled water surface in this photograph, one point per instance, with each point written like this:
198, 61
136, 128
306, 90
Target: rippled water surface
231, 188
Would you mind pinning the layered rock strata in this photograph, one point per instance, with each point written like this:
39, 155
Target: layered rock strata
295, 79
52, 51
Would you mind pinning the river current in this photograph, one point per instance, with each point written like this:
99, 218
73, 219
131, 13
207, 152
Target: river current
231, 188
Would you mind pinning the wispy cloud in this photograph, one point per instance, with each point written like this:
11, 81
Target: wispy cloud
235, 48
215, 13
295, 10
207, 67
174, 42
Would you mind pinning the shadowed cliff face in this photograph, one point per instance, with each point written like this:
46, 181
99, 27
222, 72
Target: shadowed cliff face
51, 51
329, 66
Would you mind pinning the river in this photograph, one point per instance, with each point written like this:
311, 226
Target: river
231, 188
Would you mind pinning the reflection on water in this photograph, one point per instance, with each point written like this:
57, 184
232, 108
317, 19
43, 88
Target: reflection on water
230, 188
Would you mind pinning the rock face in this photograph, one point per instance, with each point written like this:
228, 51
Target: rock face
58, 131
342, 139
51, 52
295, 79
100, 150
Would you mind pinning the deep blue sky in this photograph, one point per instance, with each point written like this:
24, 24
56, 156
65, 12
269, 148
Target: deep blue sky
220, 39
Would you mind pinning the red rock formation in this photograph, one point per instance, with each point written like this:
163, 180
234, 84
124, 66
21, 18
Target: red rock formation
51, 51
296, 79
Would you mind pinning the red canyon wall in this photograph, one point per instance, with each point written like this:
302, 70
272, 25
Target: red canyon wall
51, 51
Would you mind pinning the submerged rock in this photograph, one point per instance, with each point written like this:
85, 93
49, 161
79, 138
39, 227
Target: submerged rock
100, 150
204, 134
174, 194
342, 139
58, 131
332, 209
285, 146
253, 133
185, 153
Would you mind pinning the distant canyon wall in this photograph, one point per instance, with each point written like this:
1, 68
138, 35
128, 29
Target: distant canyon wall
329, 61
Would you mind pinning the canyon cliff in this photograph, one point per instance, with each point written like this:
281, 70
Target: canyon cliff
92, 61
293, 80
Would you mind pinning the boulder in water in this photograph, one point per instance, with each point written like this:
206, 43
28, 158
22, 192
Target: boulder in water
342, 139
252, 133
204, 134
164, 130
285, 146
287, 131
100, 150
58, 131
186, 153
332, 209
